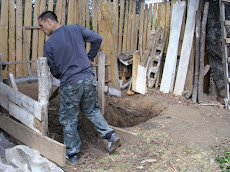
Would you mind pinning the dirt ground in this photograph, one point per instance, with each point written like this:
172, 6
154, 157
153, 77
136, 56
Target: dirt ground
175, 134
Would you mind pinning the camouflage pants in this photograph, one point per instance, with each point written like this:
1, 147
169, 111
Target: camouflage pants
81, 95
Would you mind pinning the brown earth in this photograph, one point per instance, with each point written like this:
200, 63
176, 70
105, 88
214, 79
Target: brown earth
176, 135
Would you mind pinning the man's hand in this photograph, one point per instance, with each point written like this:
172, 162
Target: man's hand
91, 62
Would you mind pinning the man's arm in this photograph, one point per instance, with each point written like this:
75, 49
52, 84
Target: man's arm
94, 38
49, 55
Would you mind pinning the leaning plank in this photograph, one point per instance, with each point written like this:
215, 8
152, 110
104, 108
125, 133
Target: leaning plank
12, 81
171, 57
186, 48
23, 116
101, 80
49, 148
8, 94
136, 61
202, 53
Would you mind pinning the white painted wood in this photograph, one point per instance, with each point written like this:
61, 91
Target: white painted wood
8, 94
23, 116
186, 48
101, 80
171, 57
141, 79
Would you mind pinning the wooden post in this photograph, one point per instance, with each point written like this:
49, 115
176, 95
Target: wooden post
197, 57
101, 80
44, 89
122, 5
202, 52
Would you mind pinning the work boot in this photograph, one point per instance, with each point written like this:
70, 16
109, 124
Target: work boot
73, 159
114, 143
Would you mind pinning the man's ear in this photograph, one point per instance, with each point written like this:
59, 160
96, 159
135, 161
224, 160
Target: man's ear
49, 21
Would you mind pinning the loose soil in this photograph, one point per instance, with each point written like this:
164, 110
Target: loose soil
175, 134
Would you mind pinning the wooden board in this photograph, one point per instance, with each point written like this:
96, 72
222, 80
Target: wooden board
141, 79
58, 9
155, 9
124, 45
129, 26
8, 94
95, 15
35, 36
106, 23
27, 22
115, 16
23, 116
63, 11
122, 5
171, 57
12, 35
134, 26
186, 48
141, 29
50, 5
145, 28
101, 80
87, 23
71, 12
46, 146
149, 20
136, 31
41, 38
4, 33
19, 68
136, 62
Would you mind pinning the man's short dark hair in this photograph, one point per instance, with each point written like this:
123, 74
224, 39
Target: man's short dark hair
48, 15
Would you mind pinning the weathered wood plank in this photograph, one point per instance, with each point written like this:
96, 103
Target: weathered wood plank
71, 12
202, 53
106, 23
145, 28
41, 34
122, 6
136, 62
46, 146
95, 28
35, 36
149, 23
12, 35
58, 9
141, 28
4, 33
27, 22
129, 25
23, 116
87, 23
186, 48
155, 9
8, 94
115, 16
134, 26
44, 90
12, 81
171, 57
101, 80
124, 45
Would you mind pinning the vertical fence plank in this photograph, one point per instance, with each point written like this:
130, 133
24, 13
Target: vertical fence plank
149, 21
141, 28
115, 16
122, 6
163, 14
95, 15
83, 12
136, 30
167, 23
27, 22
134, 25
58, 9
51, 5
124, 46
70, 18
145, 27
155, 9
41, 37
129, 26
63, 11
87, 23
19, 69
12, 35
35, 36
4, 33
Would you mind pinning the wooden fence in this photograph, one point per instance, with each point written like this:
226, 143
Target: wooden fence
118, 22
